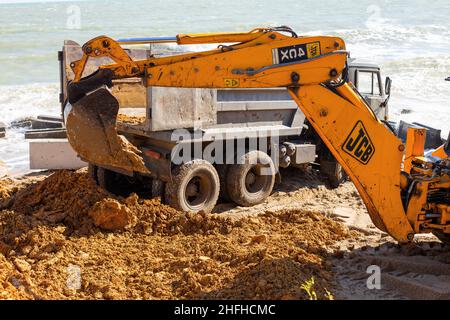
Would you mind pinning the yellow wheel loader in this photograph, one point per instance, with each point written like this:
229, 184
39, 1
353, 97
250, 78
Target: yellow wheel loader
405, 192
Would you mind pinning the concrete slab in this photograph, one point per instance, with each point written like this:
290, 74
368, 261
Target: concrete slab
50, 118
45, 124
21, 124
46, 134
53, 154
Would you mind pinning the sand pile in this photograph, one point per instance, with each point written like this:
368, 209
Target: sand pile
7, 189
10, 186
54, 246
5, 185
110, 214
10, 288
64, 197
75, 201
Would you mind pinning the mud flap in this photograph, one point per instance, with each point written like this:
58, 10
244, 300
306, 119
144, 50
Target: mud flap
92, 133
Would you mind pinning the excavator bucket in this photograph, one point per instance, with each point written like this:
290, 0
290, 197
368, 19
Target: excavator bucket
91, 131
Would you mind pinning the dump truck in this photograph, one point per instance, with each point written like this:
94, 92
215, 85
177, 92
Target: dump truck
164, 122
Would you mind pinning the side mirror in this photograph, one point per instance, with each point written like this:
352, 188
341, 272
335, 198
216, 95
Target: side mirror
448, 79
387, 88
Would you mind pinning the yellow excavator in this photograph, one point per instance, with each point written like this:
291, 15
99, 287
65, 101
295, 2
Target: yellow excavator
405, 192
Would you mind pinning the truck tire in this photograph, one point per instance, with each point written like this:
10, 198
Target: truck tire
334, 173
92, 172
158, 187
105, 178
194, 187
114, 182
222, 171
246, 184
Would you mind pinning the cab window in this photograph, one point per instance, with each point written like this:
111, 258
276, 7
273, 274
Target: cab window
368, 83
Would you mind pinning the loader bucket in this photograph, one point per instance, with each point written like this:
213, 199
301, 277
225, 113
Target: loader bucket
92, 133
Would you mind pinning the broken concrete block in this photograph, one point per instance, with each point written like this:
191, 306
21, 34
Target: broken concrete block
45, 124
52, 154
50, 118
46, 134
21, 124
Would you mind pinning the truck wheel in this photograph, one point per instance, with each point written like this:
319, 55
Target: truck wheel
158, 188
222, 170
114, 182
105, 178
194, 187
444, 237
334, 173
92, 172
252, 181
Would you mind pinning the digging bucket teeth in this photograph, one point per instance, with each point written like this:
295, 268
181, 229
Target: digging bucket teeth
91, 125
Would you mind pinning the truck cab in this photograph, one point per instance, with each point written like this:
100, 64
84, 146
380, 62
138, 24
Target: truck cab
367, 79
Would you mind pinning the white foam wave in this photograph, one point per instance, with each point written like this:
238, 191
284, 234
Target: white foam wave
24, 101
18, 103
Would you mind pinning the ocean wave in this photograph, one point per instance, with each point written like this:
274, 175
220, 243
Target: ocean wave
23, 101
421, 78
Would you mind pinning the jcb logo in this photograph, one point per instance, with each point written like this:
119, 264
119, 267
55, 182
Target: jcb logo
358, 144
313, 49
